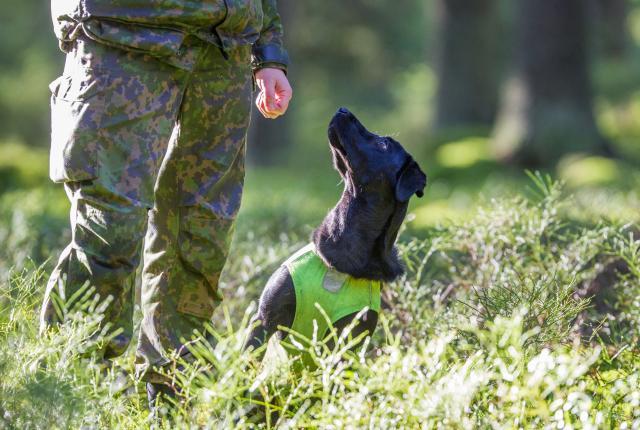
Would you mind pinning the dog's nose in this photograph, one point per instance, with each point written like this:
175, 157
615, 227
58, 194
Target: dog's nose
344, 111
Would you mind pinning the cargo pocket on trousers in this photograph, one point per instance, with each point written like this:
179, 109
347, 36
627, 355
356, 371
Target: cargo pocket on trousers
75, 121
204, 247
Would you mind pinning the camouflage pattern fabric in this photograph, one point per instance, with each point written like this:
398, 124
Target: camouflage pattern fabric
149, 153
161, 27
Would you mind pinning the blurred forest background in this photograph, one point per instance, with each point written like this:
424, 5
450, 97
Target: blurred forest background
521, 303
477, 91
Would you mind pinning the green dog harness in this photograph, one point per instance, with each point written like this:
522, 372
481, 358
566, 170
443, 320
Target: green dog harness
338, 294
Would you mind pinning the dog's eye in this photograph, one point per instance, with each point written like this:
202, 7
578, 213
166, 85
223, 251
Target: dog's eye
382, 144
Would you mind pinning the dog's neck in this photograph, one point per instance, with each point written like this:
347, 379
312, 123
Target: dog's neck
357, 237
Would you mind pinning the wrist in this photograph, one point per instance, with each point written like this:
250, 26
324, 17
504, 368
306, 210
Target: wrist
269, 56
276, 66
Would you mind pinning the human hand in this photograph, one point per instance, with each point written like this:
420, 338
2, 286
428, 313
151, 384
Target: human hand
275, 92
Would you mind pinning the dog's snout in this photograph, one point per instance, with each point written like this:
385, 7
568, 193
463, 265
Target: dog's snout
344, 111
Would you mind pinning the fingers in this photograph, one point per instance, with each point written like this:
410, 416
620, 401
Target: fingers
269, 102
260, 104
275, 93
269, 91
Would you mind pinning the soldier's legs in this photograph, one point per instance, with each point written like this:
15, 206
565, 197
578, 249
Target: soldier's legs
112, 115
197, 197
102, 257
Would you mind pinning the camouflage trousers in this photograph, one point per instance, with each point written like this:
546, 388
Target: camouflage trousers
151, 156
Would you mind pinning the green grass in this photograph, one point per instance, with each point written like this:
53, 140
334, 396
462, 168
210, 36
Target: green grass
489, 328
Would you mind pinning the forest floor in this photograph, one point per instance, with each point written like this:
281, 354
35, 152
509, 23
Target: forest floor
519, 309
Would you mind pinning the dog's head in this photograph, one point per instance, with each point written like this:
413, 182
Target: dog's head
380, 177
376, 165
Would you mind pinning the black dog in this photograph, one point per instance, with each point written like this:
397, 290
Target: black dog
356, 239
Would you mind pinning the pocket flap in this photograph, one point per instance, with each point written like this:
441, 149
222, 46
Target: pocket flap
55, 84
79, 87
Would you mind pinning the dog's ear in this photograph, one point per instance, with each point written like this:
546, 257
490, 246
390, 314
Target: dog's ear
412, 180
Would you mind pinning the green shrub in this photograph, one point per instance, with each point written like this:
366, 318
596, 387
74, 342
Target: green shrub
33, 226
485, 330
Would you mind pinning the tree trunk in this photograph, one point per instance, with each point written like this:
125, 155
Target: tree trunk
269, 139
611, 16
547, 110
467, 63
